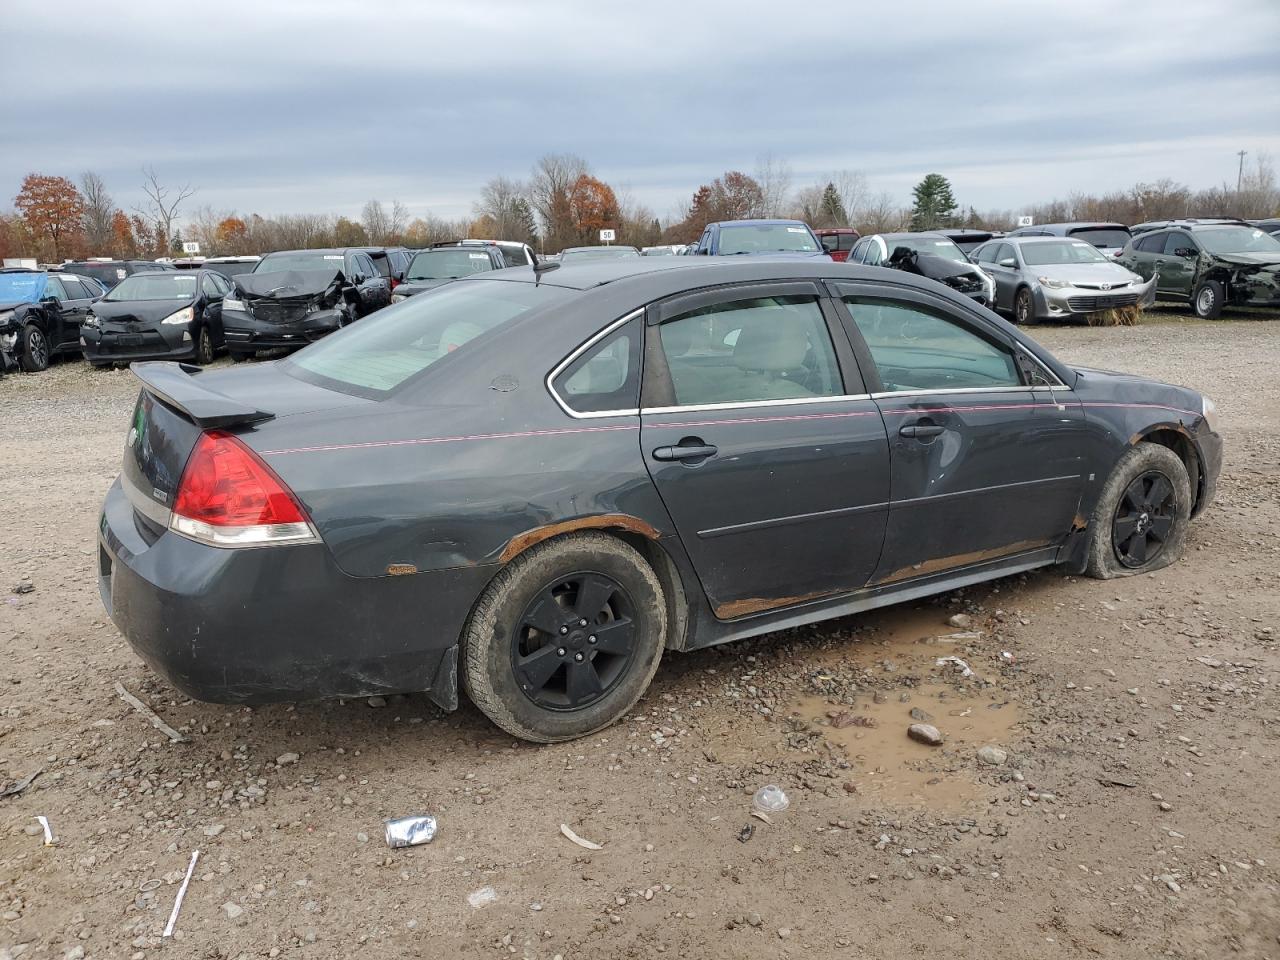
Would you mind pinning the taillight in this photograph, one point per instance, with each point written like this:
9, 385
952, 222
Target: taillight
228, 497
394, 283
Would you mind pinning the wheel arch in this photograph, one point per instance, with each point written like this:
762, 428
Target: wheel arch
636, 533
1178, 439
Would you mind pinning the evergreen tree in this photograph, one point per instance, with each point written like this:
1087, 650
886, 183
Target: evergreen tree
831, 211
935, 205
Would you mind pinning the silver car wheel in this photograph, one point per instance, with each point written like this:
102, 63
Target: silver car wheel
1204, 302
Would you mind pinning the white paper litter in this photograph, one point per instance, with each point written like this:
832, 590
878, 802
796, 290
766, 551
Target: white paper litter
586, 844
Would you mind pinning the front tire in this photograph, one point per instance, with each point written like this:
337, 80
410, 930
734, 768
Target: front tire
1024, 309
565, 639
1140, 521
34, 353
204, 347
1209, 299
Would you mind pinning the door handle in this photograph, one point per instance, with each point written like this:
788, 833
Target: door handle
922, 430
696, 450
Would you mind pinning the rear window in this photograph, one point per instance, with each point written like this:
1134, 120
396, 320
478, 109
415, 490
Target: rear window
1100, 237
448, 263
384, 350
104, 273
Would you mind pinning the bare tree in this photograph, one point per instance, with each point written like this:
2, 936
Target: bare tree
553, 177
99, 209
882, 214
162, 204
398, 221
504, 203
202, 227
376, 222
774, 177
851, 187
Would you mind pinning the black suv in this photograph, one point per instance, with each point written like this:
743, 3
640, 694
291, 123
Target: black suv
1209, 264
40, 316
446, 261
295, 296
110, 272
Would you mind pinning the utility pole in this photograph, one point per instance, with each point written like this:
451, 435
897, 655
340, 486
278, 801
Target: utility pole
1240, 172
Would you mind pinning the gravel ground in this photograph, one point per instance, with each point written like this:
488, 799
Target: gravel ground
1130, 810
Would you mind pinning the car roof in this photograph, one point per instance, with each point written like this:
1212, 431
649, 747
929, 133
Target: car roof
320, 250
914, 233
825, 230
758, 222
600, 246
1028, 240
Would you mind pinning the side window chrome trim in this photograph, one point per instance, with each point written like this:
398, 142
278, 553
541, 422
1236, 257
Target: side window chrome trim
745, 404
563, 364
942, 390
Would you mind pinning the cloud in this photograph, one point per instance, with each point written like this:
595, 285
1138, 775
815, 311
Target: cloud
308, 107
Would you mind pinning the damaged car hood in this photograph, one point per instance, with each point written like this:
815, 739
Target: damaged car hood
1263, 260
288, 284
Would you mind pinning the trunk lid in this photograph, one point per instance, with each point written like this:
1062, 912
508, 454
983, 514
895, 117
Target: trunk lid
178, 402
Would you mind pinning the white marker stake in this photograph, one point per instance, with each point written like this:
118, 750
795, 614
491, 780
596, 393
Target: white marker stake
48, 833
182, 892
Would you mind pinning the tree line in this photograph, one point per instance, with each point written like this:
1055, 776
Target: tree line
562, 203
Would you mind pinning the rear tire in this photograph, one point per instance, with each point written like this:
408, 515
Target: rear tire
33, 349
1024, 308
1209, 299
605, 623
1140, 521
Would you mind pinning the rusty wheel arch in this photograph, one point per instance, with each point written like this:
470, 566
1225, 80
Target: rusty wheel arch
641, 535
1178, 439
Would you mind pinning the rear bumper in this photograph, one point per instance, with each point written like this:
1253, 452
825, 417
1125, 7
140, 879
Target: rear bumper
278, 623
114, 346
243, 332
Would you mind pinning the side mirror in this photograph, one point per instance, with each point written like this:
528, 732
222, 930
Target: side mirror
50, 298
1185, 252
1008, 262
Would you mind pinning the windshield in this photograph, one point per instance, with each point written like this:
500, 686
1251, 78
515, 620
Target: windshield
155, 286
1237, 240
1106, 237
938, 246
1068, 251
302, 260
449, 264
22, 287
105, 273
384, 350
766, 238
599, 253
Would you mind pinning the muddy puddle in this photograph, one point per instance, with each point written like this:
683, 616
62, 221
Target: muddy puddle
899, 655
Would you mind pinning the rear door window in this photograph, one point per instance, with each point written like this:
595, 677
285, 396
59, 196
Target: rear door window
914, 349
1175, 242
75, 289
766, 348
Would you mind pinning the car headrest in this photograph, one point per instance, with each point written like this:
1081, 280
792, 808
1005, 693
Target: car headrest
770, 344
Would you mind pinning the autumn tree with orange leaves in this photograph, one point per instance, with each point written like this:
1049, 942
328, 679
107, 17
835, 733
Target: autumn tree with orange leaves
593, 207
232, 234
52, 209
123, 243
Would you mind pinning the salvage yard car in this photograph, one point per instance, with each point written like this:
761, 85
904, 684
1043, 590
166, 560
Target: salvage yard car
110, 272
929, 255
1058, 278
772, 238
1210, 265
485, 487
157, 316
1110, 238
296, 296
444, 262
40, 316
580, 254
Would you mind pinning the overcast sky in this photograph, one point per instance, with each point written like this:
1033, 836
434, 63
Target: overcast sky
275, 107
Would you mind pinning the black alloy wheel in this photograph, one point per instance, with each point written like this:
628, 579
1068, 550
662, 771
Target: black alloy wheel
574, 641
1144, 519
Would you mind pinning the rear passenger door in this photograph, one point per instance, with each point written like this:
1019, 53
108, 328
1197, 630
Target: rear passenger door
986, 465
1001, 262
766, 450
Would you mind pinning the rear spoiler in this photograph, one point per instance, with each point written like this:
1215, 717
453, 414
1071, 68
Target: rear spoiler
175, 384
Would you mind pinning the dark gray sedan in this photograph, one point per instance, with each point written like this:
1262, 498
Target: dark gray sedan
531, 485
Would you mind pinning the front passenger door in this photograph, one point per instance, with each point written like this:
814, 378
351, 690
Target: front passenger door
984, 467
768, 454
1177, 268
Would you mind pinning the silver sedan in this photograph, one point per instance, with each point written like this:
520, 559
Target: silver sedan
1057, 278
